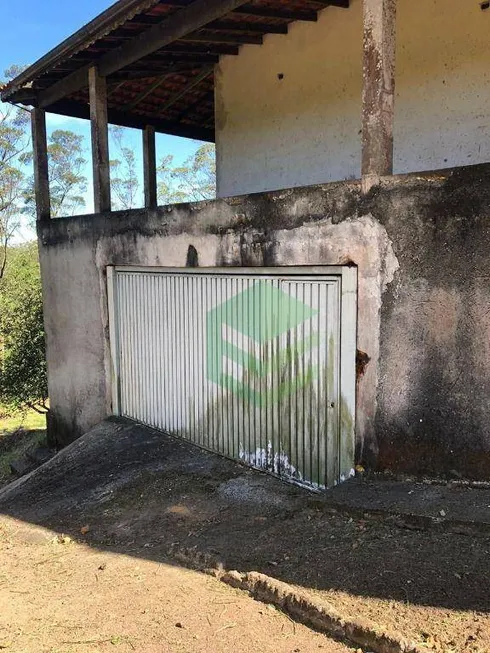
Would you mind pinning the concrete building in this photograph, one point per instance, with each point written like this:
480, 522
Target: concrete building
332, 306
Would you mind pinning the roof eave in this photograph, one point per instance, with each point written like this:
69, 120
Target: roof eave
117, 13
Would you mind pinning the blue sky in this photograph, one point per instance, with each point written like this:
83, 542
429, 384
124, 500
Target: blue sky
31, 28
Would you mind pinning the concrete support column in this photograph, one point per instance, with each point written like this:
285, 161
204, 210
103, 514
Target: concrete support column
40, 159
100, 141
149, 167
378, 88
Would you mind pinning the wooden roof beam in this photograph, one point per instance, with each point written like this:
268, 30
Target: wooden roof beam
170, 29
179, 57
189, 48
214, 37
260, 28
183, 91
208, 97
148, 91
138, 121
102, 24
152, 73
342, 4
179, 24
272, 12
64, 87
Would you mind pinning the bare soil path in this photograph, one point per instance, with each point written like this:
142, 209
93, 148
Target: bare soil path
59, 596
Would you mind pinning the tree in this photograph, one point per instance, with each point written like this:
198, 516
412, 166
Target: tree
67, 184
197, 177
14, 141
194, 181
124, 178
23, 380
168, 192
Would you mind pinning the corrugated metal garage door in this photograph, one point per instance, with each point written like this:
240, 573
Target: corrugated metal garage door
254, 364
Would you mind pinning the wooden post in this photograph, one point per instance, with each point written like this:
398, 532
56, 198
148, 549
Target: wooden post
41, 170
100, 140
378, 87
149, 167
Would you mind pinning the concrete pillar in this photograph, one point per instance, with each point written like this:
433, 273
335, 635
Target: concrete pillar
378, 87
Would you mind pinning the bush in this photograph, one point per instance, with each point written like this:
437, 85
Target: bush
23, 380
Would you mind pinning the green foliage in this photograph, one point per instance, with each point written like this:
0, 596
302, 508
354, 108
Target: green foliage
66, 163
124, 175
14, 141
23, 380
67, 184
194, 181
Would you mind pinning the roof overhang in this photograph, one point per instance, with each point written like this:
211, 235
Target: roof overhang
158, 57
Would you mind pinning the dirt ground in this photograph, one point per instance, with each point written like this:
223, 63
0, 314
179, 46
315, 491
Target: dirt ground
157, 503
59, 596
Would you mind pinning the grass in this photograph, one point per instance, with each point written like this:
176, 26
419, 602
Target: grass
29, 421
18, 434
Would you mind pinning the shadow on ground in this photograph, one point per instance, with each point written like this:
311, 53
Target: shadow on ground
146, 494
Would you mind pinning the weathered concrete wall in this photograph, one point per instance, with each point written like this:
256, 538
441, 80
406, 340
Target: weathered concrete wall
433, 412
304, 127
421, 245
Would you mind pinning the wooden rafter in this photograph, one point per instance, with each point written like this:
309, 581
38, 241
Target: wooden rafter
277, 12
189, 86
178, 57
200, 48
148, 91
243, 26
202, 99
209, 36
136, 120
152, 73
179, 24
161, 49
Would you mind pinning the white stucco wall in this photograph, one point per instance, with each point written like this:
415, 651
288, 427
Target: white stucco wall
305, 128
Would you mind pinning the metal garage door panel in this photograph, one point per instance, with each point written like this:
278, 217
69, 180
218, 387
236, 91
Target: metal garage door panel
246, 365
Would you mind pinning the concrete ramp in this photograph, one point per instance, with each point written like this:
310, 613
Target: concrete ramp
119, 453
86, 471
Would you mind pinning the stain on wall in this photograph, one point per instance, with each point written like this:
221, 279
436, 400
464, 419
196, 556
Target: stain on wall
421, 245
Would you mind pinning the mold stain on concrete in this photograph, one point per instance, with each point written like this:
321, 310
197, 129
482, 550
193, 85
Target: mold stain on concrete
294, 431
